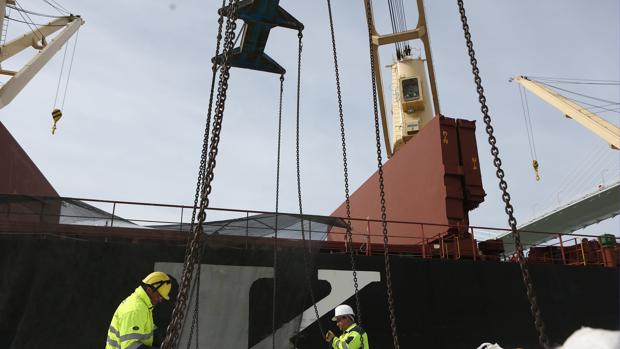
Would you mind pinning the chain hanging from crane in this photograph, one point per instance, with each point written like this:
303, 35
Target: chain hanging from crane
349, 234
195, 292
192, 256
306, 258
201, 168
388, 277
538, 322
275, 232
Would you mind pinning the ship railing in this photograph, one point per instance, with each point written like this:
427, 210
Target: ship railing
416, 239
475, 243
573, 249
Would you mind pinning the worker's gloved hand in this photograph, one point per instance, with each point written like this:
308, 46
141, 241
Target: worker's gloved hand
329, 336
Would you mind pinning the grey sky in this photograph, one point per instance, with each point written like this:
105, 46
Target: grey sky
134, 114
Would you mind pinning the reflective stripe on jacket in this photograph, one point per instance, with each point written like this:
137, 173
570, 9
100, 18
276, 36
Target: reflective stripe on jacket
352, 338
132, 324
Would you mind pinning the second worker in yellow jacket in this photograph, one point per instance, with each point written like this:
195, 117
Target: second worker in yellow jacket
353, 336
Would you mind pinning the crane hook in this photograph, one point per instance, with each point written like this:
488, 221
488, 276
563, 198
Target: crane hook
535, 165
56, 115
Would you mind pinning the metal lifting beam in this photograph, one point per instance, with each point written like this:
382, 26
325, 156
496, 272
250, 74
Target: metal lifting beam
597, 125
421, 33
260, 16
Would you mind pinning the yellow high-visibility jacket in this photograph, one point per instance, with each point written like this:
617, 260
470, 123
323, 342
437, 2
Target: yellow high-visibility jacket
351, 338
132, 324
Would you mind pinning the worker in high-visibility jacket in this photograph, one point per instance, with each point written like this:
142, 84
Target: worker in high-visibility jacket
132, 325
353, 336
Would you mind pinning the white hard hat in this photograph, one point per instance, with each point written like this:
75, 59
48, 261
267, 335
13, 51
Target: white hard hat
343, 310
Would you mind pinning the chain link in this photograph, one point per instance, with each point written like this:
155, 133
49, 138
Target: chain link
388, 276
195, 319
178, 315
538, 322
307, 268
275, 237
349, 234
201, 169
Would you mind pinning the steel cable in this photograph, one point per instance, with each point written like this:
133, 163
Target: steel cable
580, 94
62, 68
528, 125
64, 97
35, 13
28, 21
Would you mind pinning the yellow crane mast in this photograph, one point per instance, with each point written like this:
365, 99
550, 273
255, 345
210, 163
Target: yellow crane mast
599, 126
413, 106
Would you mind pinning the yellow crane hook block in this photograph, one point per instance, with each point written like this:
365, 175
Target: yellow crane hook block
535, 165
56, 115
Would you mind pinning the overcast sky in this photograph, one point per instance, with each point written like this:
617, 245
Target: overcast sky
138, 93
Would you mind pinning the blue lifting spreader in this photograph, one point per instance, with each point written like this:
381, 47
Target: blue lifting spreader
260, 16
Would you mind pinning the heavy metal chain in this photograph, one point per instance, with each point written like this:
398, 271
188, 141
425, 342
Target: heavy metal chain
195, 292
178, 315
349, 234
388, 276
205, 140
201, 169
538, 322
275, 237
307, 268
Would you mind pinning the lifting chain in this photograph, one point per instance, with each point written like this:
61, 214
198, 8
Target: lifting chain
275, 235
388, 276
349, 234
195, 292
538, 322
307, 267
201, 169
174, 328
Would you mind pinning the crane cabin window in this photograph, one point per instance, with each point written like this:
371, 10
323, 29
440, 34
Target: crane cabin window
411, 89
